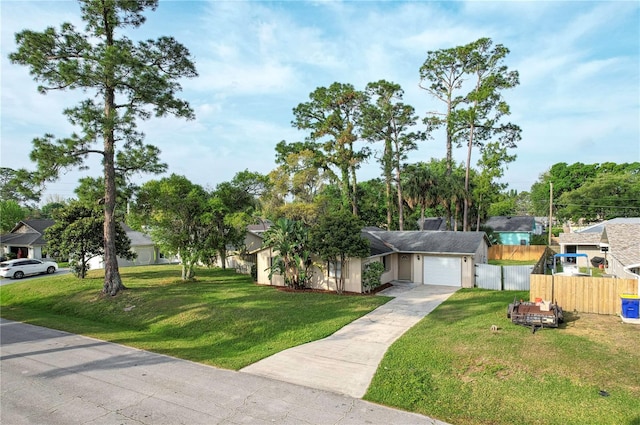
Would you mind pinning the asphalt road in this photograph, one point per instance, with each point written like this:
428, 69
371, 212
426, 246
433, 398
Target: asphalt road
55, 378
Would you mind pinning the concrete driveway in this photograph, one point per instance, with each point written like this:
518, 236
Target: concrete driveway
346, 361
55, 378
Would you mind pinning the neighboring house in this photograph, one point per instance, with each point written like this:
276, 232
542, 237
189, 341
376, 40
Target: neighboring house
147, 251
514, 230
254, 236
581, 243
599, 227
426, 257
623, 241
26, 239
244, 257
617, 240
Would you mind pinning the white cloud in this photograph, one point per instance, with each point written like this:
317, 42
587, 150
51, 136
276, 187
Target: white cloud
578, 64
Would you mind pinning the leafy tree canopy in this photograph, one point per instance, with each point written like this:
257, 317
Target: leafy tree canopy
77, 235
174, 210
567, 178
603, 197
10, 214
336, 238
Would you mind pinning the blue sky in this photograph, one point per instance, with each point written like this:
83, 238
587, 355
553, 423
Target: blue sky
578, 98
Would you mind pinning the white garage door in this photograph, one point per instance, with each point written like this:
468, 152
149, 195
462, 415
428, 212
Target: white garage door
442, 271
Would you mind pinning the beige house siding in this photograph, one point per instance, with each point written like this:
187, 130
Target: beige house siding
392, 264
468, 279
320, 279
353, 271
146, 255
252, 242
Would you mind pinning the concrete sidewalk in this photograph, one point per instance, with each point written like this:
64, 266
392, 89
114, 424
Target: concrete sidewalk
346, 361
55, 378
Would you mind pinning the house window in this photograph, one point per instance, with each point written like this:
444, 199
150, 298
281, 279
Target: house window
335, 270
386, 262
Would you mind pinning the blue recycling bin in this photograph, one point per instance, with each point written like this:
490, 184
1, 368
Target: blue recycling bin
630, 306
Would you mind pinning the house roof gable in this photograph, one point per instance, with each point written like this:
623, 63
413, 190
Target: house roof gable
624, 242
27, 233
137, 238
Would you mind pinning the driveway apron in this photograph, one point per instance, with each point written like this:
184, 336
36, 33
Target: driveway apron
346, 361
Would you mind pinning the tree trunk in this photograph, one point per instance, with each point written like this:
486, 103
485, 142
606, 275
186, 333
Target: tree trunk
112, 280
399, 187
388, 176
345, 195
222, 252
355, 191
465, 213
388, 202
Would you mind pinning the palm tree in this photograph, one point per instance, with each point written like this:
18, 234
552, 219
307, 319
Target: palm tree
419, 184
290, 239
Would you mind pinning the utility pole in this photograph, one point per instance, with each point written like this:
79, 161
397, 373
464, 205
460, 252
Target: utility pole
550, 210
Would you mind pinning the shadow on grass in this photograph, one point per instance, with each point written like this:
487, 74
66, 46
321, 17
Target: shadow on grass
221, 319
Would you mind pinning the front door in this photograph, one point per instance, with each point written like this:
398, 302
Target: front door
404, 267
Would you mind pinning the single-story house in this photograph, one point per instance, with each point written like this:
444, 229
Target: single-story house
26, 239
514, 230
621, 250
581, 243
244, 257
426, 257
623, 255
141, 244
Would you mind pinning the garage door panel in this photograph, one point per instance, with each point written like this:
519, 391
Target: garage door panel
446, 271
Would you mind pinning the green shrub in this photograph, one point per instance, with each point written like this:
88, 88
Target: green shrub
371, 276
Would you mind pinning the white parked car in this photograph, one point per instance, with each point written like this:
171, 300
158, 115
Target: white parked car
22, 267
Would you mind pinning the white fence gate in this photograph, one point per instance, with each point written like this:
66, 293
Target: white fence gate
489, 276
508, 278
516, 278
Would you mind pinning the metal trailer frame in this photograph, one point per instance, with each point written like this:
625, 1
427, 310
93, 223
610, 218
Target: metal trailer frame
528, 313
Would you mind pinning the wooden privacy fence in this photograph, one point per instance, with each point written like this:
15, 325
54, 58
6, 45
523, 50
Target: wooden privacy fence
582, 294
516, 252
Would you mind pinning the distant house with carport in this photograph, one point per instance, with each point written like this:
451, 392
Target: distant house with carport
424, 257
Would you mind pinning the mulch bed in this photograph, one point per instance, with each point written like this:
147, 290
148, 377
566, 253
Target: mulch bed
327, 291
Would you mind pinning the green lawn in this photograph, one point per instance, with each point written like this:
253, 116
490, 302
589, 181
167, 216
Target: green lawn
453, 367
450, 366
222, 319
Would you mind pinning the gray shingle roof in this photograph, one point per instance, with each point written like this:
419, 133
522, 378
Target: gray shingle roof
433, 223
580, 238
521, 223
430, 241
27, 233
624, 242
377, 245
599, 227
137, 238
